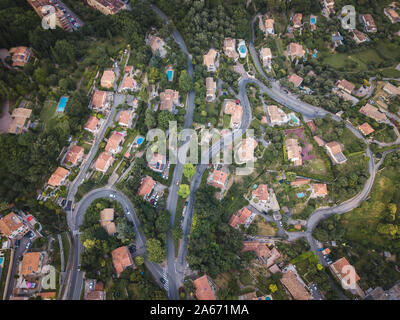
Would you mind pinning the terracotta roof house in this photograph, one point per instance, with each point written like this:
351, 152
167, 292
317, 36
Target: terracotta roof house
128, 69
99, 101
129, 84
294, 152
311, 125
107, 220
219, 179
31, 263
236, 112
203, 288
297, 17
20, 56
261, 193
243, 216
95, 295
114, 143
230, 48
211, 87
74, 155
295, 50
392, 15
342, 269
146, 187
157, 163
210, 60
335, 151
358, 36
157, 45
122, 259
369, 23
107, 79
300, 182
266, 57
372, 112
319, 141
245, 152
20, 120
47, 295
58, 178
319, 190
294, 286
261, 249
103, 162
274, 269
92, 125
124, 118
366, 129
269, 26
391, 89
276, 115
11, 226
169, 99
107, 6
296, 80
345, 85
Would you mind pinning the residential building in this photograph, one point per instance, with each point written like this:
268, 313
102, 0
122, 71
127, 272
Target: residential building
129, 84
335, 151
211, 87
51, 295
107, 6
124, 118
337, 39
329, 6
295, 50
313, 22
312, 126
114, 143
12, 227
20, 56
122, 259
218, 179
107, 220
269, 27
392, 14
146, 187
296, 80
236, 111
128, 69
157, 45
31, 264
319, 141
74, 155
230, 49
266, 57
20, 120
97, 293
319, 190
345, 85
100, 100
157, 163
169, 99
261, 249
204, 288
294, 152
242, 217
92, 125
210, 60
58, 178
342, 270
107, 79
297, 17
294, 286
366, 129
103, 162
300, 182
276, 115
359, 37
261, 193
245, 152
391, 89
369, 23
373, 113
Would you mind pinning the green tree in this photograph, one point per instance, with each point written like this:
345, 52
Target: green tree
155, 251
184, 191
185, 82
189, 170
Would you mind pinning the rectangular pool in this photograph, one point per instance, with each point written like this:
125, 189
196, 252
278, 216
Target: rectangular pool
62, 104
170, 75
300, 195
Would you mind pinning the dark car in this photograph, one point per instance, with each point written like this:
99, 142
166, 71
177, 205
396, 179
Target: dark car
17, 243
30, 234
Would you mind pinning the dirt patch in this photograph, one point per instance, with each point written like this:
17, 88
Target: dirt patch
5, 119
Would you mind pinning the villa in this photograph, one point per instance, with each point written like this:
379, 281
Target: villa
359, 37
129, 84
157, 163
294, 152
107, 6
335, 151
210, 60
20, 56
124, 118
295, 50
236, 111
20, 120
211, 87
58, 178
266, 57
157, 45
103, 162
276, 115
329, 7
245, 152
366, 129
146, 187
107, 220
122, 259
319, 141
391, 89
261, 193
369, 23
100, 101
230, 48
296, 288
218, 179
345, 86
341, 269
12, 227
295, 79
269, 27
337, 39
242, 217
319, 190
114, 143
204, 288
297, 20
169, 99
92, 125
74, 155
107, 79
373, 113
31, 264
300, 182
392, 15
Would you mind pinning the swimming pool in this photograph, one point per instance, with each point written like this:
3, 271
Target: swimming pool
300, 195
62, 104
242, 49
294, 118
140, 140
170, 75
313, 20
1, 261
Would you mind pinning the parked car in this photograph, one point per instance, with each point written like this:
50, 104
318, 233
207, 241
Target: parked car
30, 234
28, 245
17, 243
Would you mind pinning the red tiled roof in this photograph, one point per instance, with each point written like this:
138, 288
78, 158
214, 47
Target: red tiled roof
203, 289
239, 217
74, 155
122, 259
146, 186
57, 177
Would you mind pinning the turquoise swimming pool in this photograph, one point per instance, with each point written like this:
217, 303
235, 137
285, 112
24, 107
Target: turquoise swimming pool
313, 20
242, 49
300, 195
294, 118
170, 75
140, 140
62, 104
1, 261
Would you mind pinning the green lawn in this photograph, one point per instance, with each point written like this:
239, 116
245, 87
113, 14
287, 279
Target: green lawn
4, 272
48, 111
